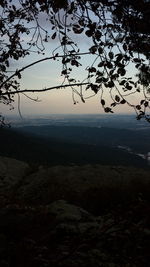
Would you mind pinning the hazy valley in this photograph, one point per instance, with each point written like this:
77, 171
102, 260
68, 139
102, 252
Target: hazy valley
78, 139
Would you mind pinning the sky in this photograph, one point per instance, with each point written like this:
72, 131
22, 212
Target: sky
48, 74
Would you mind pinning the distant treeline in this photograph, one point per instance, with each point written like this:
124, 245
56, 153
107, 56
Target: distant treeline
27, 146
137, 140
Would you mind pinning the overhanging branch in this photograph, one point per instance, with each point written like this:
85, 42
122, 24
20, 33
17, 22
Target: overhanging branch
36, 62
42, 90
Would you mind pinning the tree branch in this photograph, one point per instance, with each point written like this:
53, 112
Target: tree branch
42, 90
36, 62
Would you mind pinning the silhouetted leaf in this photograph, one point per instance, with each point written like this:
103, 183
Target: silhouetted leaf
78, 30
93, 49
103, 102
128, 87
123, 101
92, 69
94, 87
111, 55
18, 74
54, 35
137, 60
100, 50
146, 104
142, 102
109, 65
122, 82
111, 84
121, 71
119, 57
125, 47
89, 33
98, 35
113, 104
101, 64
117, 98
107, 110
138, 107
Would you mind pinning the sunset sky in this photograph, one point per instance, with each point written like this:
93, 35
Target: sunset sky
48, 74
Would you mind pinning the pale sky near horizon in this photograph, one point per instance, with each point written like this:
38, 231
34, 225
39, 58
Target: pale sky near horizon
55, 101
47, 74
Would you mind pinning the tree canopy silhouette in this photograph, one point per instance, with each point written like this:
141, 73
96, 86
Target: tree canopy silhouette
118, 34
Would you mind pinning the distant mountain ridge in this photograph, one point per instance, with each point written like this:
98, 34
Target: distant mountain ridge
119, 121
138, 141
26, 146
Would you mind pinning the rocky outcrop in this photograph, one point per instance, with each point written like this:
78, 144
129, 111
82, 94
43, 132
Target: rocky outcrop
93, 188
65, 235
71, 219
53, 216
64, 211
12, 172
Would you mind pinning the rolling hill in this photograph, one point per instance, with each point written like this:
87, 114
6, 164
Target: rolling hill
49, 150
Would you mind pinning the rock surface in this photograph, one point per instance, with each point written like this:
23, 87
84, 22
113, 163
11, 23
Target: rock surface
64, 211
92, 187
64, 235
12, 172
73, 216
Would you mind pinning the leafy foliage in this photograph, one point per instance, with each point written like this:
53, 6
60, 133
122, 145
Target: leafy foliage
119, 39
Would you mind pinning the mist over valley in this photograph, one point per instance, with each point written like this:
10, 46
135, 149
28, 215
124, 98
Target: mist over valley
79, 139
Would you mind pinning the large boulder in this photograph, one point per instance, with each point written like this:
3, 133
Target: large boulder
12, 172
64, 211
70, 219
94, 188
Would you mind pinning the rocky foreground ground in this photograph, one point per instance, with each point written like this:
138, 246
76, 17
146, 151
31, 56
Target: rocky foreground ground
73, 216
